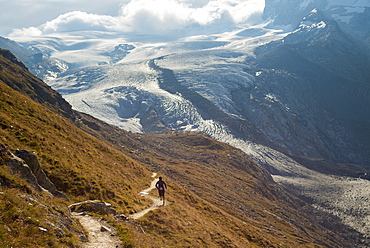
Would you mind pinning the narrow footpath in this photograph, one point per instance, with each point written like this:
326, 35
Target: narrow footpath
157, 203
101, 234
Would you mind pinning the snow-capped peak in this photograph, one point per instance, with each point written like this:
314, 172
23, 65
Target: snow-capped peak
315, 19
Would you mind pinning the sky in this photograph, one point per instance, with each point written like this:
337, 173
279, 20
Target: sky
43, 17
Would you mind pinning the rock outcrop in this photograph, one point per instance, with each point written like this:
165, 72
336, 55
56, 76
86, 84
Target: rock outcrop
27, 164
151, 122
19, 166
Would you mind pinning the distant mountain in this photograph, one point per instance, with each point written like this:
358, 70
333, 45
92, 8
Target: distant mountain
39, 55
352, 15
333, 117
290, 13
322, 75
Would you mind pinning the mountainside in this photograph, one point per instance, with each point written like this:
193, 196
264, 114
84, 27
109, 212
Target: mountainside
220, 198
67, 156
31, 86
328, 71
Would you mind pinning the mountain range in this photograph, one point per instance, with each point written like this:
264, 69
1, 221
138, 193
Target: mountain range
293, 94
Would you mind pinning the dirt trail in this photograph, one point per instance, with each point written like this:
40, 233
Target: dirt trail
157, 203
101, 234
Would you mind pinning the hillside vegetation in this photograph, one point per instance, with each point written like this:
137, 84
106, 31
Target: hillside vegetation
219, 197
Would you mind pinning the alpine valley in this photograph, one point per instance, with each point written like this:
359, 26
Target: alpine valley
292, 92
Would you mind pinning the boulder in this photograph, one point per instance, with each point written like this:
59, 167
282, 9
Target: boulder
91, 206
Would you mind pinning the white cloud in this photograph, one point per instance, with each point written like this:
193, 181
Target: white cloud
154, 17
22, 14
157, 15
32, 31
72, 21
78, 20
148, 16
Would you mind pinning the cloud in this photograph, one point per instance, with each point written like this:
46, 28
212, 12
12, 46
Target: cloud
71, 21
165, 15
78, 20
154, 17
21, 14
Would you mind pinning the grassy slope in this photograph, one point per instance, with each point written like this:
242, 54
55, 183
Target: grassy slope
220, 198
241, 197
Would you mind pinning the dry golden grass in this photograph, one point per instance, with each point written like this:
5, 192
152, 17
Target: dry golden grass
25, 223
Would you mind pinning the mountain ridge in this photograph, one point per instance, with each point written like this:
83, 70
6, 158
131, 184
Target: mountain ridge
32, 86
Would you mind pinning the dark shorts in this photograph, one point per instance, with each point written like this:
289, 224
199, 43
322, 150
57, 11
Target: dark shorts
161, 192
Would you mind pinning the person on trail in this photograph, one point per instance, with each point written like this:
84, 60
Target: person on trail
161, 185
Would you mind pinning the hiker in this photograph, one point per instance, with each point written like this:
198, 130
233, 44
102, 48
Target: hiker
161, 185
